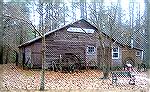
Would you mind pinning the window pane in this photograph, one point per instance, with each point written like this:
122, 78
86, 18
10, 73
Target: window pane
91, 49
115, 49
115, 55
138, 53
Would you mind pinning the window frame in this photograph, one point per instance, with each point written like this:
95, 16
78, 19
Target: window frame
91, 53
115, 52
138, 55
142, 55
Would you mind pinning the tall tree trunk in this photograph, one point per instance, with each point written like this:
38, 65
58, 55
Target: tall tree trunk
73, 10
64, 14
7, 56
23, 61
41, 29
1, 54
83, 9
21, 37
147, 30
1, 32
119, 13
16, 61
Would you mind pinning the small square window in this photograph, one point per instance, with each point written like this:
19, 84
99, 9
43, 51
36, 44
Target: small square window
90, 50
137, 53
115, 53
115, 49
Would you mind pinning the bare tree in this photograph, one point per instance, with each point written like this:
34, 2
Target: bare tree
53, 19
14, 32
147, 44
55, 15
105, 21
1, 32
83, 9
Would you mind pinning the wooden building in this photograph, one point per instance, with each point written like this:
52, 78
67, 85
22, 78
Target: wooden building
73, 43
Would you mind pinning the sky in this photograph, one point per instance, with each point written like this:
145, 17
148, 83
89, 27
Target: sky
124, 5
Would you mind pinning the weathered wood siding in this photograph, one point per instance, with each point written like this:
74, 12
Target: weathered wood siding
117, 62
130, 54
36, 55
28, 55
91, 59
61, 42
138, 59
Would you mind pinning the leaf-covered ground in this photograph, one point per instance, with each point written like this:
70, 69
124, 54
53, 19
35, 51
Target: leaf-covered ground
15, 78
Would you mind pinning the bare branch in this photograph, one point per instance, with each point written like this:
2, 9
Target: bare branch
28, 22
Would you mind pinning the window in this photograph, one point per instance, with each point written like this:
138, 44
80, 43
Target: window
138, 53
73, 29
90, 50
115, 53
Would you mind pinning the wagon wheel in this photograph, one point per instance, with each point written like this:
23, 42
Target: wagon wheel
69, 61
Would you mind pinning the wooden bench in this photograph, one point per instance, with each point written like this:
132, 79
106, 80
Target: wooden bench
117, 74
132, 80
142, 66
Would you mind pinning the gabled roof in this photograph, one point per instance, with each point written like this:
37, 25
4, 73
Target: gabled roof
46, 34
114, 39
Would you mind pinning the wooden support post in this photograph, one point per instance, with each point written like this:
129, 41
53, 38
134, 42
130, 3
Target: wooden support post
60, 63
53, 65
16, 61
23, 61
